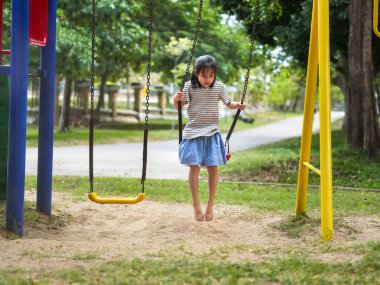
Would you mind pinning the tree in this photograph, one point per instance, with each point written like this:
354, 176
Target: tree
363, 130
226, 42
73, 54
176, 50
284, 91
287, 24
118, 42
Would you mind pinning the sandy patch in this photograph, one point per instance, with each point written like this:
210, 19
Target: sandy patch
85, 234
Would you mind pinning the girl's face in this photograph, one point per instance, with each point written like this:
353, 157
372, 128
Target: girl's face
206, 77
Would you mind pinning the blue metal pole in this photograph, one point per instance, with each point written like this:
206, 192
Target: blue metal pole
17, 116
46, 116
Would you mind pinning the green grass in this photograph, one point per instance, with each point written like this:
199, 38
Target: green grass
299, 262
296, 268
279, 163
263, 198
115, 132
106, 134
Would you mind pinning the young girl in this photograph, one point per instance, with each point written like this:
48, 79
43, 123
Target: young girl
202, 144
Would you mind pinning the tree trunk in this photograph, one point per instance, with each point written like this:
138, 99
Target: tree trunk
102, 91
128, 89
35, 92
363, 130
341, 80
56, 99
65, 115
295, 103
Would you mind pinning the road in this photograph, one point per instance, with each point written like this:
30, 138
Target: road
125, 159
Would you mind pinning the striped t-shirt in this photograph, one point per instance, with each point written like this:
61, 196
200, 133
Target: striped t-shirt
203, 111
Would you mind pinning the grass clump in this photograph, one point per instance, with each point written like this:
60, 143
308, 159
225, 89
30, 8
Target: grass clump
293, 226
36, 220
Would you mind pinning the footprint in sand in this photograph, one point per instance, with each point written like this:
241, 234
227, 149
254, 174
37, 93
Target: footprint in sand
134, 224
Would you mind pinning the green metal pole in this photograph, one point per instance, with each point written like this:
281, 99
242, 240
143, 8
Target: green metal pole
4, 118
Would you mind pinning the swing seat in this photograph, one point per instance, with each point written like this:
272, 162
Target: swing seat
93, 197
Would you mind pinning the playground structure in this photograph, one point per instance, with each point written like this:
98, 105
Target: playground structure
319, 55
319, 60
33, 22
376, 18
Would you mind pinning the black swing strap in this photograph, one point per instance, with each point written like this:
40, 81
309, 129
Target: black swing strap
196, 33
148, 66
253, 35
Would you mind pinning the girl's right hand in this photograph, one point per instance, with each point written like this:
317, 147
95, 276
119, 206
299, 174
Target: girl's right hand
178, 96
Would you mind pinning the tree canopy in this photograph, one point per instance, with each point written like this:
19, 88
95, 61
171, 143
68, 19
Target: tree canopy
354, 53
121, 45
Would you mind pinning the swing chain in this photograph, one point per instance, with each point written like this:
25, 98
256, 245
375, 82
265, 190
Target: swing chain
185, 78
150, 27
148, 67
253, 35
195, 41
92, 87
93, 24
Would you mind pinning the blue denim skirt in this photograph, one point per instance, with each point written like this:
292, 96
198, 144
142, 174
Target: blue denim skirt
203, 151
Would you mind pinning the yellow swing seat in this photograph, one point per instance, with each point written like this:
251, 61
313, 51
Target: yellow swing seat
93, 195
101, 200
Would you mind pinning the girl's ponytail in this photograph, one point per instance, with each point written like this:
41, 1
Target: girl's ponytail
194, 81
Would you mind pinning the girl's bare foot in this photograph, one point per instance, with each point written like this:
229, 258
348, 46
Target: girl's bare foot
198, 214
209, 215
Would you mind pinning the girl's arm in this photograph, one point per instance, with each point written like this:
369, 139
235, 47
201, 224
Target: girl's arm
236, 105
178, 97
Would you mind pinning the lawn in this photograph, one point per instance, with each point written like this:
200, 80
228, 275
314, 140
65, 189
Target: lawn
255, 237
278, 163
116, 132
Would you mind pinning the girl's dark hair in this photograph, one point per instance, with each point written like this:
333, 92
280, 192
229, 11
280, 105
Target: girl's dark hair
202, 62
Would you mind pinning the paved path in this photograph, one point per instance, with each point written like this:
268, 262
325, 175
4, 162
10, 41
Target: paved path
125, 160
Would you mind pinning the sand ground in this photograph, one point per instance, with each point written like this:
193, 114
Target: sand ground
82, 233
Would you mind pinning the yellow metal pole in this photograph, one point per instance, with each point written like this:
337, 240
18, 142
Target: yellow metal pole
308, 115
312, 168
325, 120
376, 17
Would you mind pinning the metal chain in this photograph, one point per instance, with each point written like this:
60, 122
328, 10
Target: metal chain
253, 35
148, 67
185, 78
93, 25
91, 138
195, 41
148, 64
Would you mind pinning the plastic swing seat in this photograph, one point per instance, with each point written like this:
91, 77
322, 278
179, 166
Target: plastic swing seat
101, 200
93, 195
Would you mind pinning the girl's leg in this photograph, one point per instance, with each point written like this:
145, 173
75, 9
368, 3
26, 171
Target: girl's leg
193, 181
212, 186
